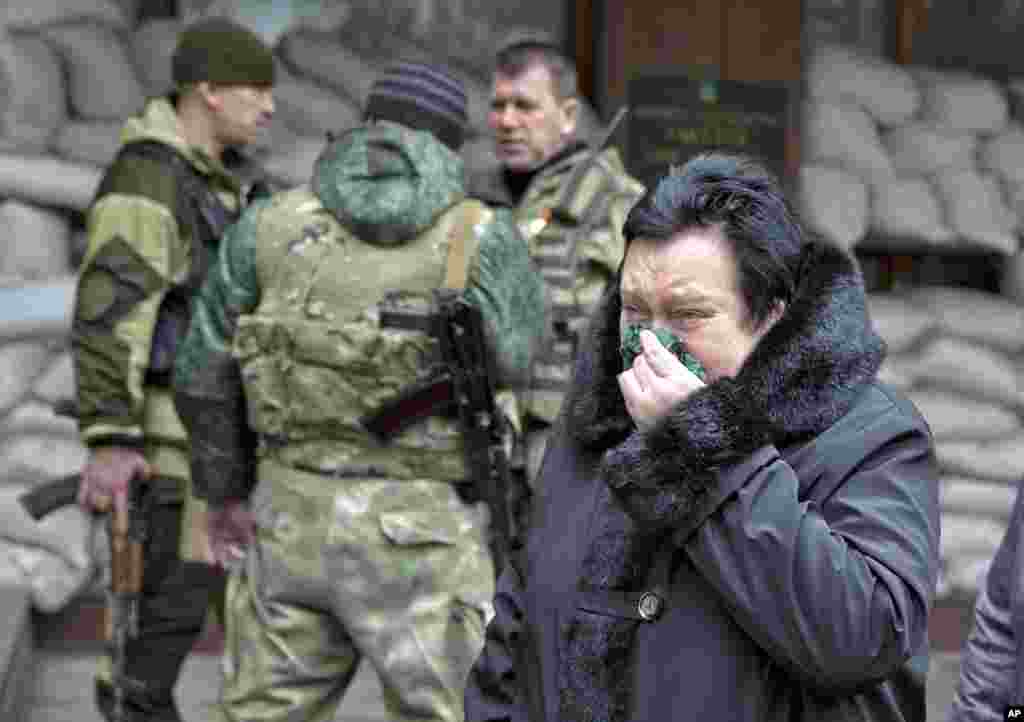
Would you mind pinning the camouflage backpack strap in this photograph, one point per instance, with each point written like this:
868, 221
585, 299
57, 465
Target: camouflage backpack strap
463, 241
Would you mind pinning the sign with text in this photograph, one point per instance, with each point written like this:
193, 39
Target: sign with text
672, 118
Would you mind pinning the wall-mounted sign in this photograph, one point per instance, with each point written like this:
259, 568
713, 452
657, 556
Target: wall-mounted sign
675, 117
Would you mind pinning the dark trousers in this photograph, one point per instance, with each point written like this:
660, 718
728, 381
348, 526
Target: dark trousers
176, 595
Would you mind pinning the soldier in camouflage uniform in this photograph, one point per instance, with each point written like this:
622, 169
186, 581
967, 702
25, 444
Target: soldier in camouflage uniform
157, 216
534, 107
347, 548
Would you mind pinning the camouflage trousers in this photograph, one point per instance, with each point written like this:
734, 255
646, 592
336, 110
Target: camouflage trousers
393, 572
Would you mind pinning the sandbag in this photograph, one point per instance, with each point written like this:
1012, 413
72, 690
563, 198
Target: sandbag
479, 155
48, 180
901, 323
844, 134
970, 369
32, 94
976, 210
994, 459
956, 417
834, 202
95, 142
37, 417
965, 575
311, 109
37, 310
897, 372
33, 241
920, 148
101, 80
57, 381
974, 315
967, 534
150, 49
65, 532
978, 497
35, 456
1003, 154
20, 365
325, 60
293, 164
909, 208
52, 581
33, 14
886, 91
961, 101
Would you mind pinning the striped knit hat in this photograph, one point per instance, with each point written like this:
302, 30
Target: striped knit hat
423, 97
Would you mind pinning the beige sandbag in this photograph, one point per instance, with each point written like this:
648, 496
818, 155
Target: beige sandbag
324, 59
34, 14
908, 208
52, 581
150, 49
845, 134
921, 148
293, 165
956, 417
840, 73
963, 495
976, 210
20, 366
974, 315
968, 368
962, 101
899, 321
101, 80
57, 381
48, 180
89, 141
311, 109
1003, 154
33, 241
995, 459
834, 202
32, 94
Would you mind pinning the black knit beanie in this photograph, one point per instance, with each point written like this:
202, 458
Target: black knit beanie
218, 50
422, 97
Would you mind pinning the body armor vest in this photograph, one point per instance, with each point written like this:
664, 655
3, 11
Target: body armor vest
315, 358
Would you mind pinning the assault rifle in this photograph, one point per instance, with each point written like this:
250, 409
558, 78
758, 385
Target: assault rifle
463, 383
127, 534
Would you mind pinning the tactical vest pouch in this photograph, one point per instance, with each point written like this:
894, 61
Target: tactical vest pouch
171, 326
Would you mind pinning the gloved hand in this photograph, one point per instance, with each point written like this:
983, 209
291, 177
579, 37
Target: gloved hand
231, 528
107, 476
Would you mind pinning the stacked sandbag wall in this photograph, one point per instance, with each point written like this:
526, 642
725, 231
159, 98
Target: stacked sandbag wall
70, 74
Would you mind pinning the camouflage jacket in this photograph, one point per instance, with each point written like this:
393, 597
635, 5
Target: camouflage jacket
148, 236
287, 350
576, 256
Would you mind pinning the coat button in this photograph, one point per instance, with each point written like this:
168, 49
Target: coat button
649, 607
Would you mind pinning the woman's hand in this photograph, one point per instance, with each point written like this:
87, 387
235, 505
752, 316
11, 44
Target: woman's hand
656, 383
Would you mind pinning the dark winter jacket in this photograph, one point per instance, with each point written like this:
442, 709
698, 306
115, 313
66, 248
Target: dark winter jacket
767, 552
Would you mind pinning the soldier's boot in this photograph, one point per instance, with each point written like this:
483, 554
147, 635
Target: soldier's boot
140, 704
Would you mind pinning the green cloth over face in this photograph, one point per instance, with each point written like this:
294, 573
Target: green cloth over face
630, 347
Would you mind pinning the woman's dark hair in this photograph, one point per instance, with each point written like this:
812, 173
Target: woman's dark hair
740, 198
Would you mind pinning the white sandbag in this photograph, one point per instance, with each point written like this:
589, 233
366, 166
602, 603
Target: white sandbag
974, 315
150, 49
101, 80
965, 575
33, 241
957, 417
921, 148
834, 202
1003, 154
963, 495
40, 457
967, 534
898, 321
997, 460
37, 417
311, 109
20, 14
32, 93
293, 165
20, 366
888, 92
970, 369
66, 531
844, 134
52, 581
57, 382
325, 60
909, 208
962, 101
976, 210
1012, 283
48, 180
89, 141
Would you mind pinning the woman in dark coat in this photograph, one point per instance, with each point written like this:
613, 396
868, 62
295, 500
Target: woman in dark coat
761, 544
